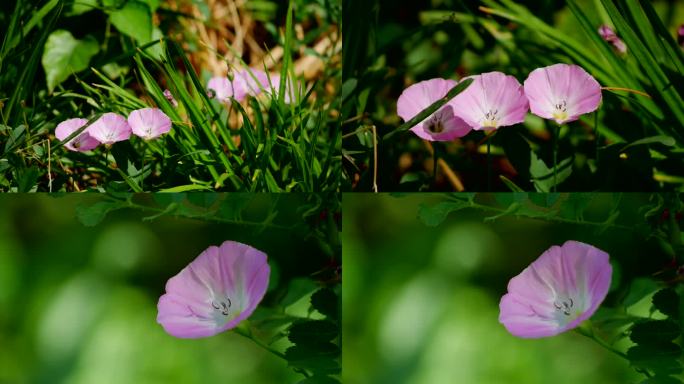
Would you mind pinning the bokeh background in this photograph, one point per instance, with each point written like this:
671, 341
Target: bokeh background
421, 303
78, 303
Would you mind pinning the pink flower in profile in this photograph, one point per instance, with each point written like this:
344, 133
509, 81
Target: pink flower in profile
292, 91
443, 125
149, 123
493, 100
169, 96
83, 142
558, 291
609, 35
110, 128
215, 292
562, 92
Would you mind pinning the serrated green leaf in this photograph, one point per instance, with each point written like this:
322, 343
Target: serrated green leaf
91, 215
654, 332
326, 302
667, 302
434, 215
312, 332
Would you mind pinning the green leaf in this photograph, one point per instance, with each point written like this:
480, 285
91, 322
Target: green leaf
320, 358
326, 302
319, 379
662, 358
134, 20
434, 215
661, 379
234, 203
654, 332
640, 288
91, 215
312, 332
64, 55
667, 302
26, 179
298, 288
543, 176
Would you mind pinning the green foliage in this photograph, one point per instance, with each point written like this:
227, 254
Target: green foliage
64, 55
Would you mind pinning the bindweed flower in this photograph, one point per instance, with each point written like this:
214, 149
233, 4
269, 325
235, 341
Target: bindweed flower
558, 291
291, 91
562, 92
149, 123
215, 292
443, 125
110, 128
169, 96
609, 36
493, 100
222, 88
81, 143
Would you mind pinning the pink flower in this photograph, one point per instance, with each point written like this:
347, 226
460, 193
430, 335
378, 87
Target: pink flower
493, 100
110, 128
215, 292
83, 142
562, 92
558, 291
291, 91
149, 123
609, 35
443, 125
680, 35
222, 87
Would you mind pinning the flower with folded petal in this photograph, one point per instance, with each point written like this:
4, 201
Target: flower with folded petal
562, 92
215, 292
83, 142
443, 124
558, 291
609, 36
493, 100
149, 123
110, 128
222, 88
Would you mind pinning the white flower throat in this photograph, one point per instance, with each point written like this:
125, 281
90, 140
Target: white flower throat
560, 110
491, 119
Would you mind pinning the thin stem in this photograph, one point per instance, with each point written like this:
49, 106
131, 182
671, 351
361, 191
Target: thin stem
248, 335
435, 159
489, 166
589, 332
597, 134
556, 135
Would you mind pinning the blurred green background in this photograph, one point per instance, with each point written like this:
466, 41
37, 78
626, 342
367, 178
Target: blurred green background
78, 304
421, 303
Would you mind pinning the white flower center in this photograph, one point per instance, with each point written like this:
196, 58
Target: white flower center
491, 119
222, 309
560, 110
567, 309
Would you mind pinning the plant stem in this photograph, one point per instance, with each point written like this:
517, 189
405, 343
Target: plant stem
588, 331
556, 135
435, 159
489, 166
598, 134
248, 334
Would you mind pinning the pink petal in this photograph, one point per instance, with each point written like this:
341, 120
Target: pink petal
421, 95
494, 93
83, 142
110, 128
548, 86
222, 87
574, 273
233, 273
149, 123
